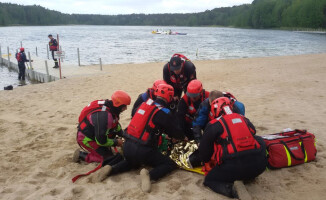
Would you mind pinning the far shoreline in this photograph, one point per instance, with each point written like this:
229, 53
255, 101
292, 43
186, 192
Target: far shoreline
295, 29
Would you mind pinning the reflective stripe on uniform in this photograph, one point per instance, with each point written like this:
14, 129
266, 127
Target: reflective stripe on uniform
86, 140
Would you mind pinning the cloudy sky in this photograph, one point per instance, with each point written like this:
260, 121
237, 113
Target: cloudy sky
111, 7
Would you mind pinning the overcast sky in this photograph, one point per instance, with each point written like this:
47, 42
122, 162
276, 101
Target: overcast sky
112, 7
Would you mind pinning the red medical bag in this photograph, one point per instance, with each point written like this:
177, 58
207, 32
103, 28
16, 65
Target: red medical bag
290, 148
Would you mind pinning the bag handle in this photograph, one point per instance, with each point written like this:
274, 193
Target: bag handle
291, 133
292, 155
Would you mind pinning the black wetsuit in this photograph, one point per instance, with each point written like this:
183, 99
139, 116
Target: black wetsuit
137, 154
142, 98
247, 166
53, 44
101, 130
182, 80
21, 66
181, 113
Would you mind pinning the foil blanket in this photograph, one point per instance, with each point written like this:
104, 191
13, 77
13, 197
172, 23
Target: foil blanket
181, 152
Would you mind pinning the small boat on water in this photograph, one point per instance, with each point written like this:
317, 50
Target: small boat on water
177, 33
169, 32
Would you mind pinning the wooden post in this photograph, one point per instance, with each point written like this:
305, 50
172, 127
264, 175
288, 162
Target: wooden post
101, 64
46, 67
8, 57
47, 71
0, 55
78, 56
61, 51
59, 57
47, 51
30, 62
21, 44
36, 51
197, 53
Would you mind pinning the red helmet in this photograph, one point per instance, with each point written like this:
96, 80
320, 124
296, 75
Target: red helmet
194, 88
119, 98
220, 106
22, 49
165, 91
157, 82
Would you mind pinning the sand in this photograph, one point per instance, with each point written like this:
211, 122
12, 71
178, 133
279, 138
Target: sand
38, 129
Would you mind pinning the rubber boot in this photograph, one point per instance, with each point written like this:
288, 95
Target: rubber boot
79, 155
226, 189
101, 174
56, 65
194, 160
145, 181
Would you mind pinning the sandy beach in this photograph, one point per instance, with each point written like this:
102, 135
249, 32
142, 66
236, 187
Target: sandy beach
38, 129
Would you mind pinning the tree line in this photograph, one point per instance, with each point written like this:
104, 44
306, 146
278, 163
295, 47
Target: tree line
258, 14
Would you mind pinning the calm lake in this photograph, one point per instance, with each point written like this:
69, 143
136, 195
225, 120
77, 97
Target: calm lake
136, 44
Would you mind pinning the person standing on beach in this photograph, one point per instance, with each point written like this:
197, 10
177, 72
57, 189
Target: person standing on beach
142, 138
98, 127
230, 149
53, 45
21, 59
146, 95
178, 72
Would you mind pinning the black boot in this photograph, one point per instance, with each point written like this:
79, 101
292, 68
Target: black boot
56, 65
223, 188
194, 159
79, 155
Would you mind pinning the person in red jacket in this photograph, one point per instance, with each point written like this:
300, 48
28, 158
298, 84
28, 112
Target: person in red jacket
230, 149
21, 59
178, 72
142, 138
188, 106
53, 45
98, 127
144, 96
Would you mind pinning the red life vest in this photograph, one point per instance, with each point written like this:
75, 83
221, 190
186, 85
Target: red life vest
141, 126
19, 57
236, 139
181, 77
53, 45
94, 106
191, 108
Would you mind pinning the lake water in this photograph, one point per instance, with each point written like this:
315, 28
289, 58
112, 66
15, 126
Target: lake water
136, 44
10, 77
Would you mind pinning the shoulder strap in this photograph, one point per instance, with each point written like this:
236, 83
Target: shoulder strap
229, 134
148, 120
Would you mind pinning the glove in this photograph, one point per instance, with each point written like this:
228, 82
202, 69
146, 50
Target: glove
197, 133
118, 130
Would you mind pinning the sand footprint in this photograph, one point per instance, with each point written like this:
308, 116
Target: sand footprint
61, 129
7, 190
319, 165
262, 128
55, 191
78, 191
